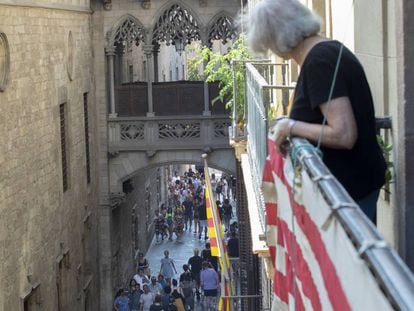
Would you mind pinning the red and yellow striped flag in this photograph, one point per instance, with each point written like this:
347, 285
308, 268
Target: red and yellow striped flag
217, 242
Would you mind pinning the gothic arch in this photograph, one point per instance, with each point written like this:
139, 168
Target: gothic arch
127, 29
221, 27
176, 20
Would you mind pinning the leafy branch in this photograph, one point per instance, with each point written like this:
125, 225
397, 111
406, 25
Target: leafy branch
218, 68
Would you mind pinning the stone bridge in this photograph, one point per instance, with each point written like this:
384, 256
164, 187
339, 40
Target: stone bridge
137, 143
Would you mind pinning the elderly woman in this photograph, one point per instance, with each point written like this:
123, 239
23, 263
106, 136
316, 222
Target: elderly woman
349, 145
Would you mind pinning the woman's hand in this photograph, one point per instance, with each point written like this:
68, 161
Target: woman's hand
280, 132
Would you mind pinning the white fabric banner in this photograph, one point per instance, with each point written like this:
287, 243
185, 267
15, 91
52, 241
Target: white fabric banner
315, 269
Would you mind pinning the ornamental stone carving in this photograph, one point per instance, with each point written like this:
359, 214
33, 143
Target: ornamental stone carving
4, 61
176, 23
129, 31
107, 5
222, 28
116, 200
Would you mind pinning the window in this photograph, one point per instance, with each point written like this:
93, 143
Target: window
63, 139
87, 153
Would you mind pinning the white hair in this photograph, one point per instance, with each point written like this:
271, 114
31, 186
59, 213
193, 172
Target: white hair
280, 25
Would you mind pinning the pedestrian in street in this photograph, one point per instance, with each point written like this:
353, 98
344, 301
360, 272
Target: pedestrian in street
209, 285
233, 246
177, 295
166, 297
162, 281
202, 214
170, 222
171, 305
167, 269
143, 264
140, 278
187, 284
134, 297
188, 212
147, 298
206, 254
195, 263
332, 105
227, 214
179, 222
155, 287
196, 215
160, 227
157, 305
122, 301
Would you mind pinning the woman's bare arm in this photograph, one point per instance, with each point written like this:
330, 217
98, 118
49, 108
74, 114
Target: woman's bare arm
340, 131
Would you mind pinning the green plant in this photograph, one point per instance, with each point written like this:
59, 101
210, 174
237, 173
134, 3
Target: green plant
219, 68
387, 153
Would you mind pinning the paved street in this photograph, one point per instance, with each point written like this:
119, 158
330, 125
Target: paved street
179, 251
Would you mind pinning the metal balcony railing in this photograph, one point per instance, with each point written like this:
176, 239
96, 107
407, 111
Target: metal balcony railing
261, 99
392, 275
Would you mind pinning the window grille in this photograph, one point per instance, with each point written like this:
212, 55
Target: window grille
62, 114
87, 152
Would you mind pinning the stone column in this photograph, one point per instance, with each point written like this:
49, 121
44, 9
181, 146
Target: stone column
119, 51
156, 50
206, 112
110, 53
148, 50
403, 131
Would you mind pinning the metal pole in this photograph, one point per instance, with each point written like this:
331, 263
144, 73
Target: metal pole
225, 274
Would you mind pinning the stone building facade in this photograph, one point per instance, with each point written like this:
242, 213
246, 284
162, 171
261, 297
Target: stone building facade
48, 159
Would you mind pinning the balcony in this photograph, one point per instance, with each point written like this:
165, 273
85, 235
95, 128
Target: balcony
384, 270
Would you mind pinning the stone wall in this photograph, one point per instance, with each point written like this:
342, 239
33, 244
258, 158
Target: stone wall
132, 224
47, 235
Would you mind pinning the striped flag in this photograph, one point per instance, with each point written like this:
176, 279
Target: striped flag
217, 242
314, 268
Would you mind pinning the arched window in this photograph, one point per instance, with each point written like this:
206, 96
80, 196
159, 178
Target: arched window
174, 24
222, 28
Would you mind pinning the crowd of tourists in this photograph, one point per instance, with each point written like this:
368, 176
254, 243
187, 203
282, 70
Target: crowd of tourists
199, 279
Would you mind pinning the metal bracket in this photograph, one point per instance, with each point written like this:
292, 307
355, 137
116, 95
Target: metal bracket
366, 245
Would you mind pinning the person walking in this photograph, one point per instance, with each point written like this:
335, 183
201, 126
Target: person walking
187, 285
202, 214
155, 287
143, 264
195, 263
122, 301
209, 285
227, 214
140, 278
134, 297
167, 269
188, 212
147, 298
157, 305
169, 216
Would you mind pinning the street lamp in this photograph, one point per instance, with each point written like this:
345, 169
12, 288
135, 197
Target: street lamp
179, 45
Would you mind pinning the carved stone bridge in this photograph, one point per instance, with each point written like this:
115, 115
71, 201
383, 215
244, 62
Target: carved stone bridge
137, 143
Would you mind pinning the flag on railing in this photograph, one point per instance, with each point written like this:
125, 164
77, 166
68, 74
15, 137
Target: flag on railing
217, 242
314, 268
